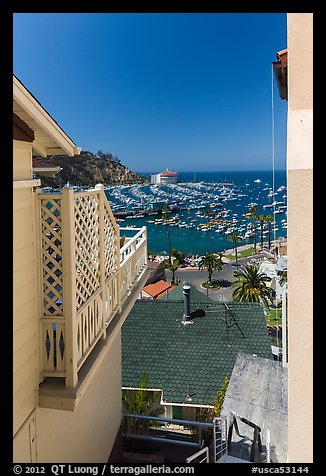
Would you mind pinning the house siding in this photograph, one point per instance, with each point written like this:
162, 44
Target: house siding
22, 160
87, 434
24, 450
25, 364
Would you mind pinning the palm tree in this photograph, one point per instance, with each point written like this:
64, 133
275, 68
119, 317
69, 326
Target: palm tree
253, 216
179, 255
251, 285
141, 402
261, 218
165, 216
173, 266
269, 220
211, 262
284, 278
220, 255
234, 237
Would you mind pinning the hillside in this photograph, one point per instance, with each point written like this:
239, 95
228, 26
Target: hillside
87, 169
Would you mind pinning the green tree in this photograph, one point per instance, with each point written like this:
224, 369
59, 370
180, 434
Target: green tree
251, 285
284, 278
179, 255
261, 218
220, 255
220, 396
253, 216
211, 262
140, 401
104, 155
173, 266
235, 238
207, 414
269, 220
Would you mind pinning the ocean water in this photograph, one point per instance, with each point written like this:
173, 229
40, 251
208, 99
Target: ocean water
252, 186
237, 177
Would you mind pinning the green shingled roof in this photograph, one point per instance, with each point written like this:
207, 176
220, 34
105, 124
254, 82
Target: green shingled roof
192, 358
177, 295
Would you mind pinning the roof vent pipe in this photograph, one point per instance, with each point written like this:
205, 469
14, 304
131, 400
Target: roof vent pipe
186, 301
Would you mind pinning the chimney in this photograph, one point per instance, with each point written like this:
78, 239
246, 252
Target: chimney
186, 301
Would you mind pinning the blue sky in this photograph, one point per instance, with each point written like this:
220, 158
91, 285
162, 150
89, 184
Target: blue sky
187, 91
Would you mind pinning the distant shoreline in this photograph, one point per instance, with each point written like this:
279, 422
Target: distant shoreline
278, 241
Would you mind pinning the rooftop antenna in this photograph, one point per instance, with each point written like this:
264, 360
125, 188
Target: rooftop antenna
229, 317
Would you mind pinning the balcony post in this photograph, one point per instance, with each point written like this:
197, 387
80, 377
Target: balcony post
100, 188
69, 285
118, 265
145, 245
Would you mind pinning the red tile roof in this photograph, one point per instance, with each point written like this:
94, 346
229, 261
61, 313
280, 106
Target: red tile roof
168, 172
157, 288
283, 57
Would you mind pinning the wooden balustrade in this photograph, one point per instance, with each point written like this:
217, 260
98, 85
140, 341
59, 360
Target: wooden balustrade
133, 260
85, 277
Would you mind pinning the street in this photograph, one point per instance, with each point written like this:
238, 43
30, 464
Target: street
225, 277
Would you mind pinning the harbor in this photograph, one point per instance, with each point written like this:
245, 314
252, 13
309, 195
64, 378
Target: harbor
201, 216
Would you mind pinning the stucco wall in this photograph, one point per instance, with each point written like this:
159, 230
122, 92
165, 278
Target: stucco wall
300, 234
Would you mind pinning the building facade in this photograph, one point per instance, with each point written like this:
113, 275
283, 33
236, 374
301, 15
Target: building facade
300, 224
165, 177
73, 287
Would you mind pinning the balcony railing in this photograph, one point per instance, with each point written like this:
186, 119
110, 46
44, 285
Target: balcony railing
133, 258
85, 276
165, 430
202, 456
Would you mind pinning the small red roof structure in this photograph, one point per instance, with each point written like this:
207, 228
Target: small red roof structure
157, 289
283, 57
280, 70
168, 172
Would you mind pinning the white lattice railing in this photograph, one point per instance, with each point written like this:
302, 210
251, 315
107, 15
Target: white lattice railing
85, 277
133, 259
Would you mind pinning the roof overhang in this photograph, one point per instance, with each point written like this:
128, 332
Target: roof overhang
49, 138
47, 171
280, 70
